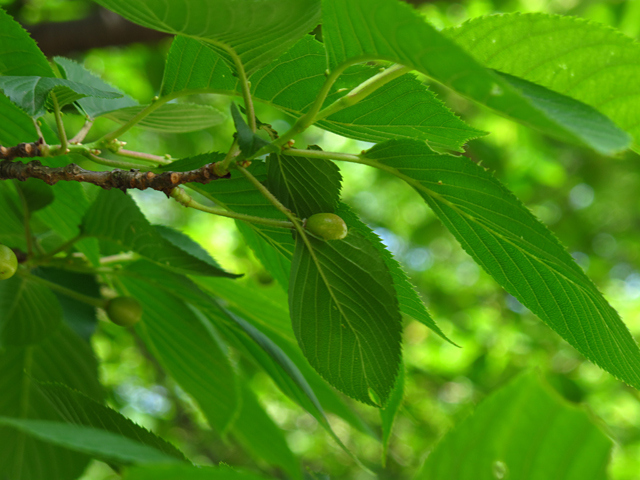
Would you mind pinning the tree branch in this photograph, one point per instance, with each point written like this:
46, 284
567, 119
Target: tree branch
22, 150
122, 179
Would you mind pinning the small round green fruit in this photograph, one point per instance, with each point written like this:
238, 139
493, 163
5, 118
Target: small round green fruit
124, 311
327, 225
8, 262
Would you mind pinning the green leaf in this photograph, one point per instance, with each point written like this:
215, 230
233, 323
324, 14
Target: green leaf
29, 312
351, 34
568, 55
15, 125
19, 54
517, 250
101, 444
187, 472
416, 112
185, 348
256, 432
78, 409
390, 411
268, 313
248, 141
410, 302
114, 216
303, 185
253, 30
93, 106
36, 193
525, 431
31, 93
171, 117
63, 358
185, 243
345, 315
12, 232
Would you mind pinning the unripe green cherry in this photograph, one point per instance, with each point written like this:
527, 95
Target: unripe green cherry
124, 311
327, 225
8, 262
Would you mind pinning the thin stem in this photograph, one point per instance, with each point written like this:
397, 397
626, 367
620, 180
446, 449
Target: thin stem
94, 302
246, 89
61, 133
267, 194
233, 152
82, 133
346, 157
114, 163
186, 200
118, 258
363, 90
136, 119
65, 246
145, 157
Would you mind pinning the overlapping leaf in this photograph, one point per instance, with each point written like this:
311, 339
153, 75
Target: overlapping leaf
351, 32
32, 93
416, 112
175, 472
186, 350
517, 250
390, 411
19, 54
115, 217
29, 312
253, 30
171, 117
522, 431
568, 55
63, 358
346, 316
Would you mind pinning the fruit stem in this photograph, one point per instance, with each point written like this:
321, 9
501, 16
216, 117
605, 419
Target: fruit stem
94, 302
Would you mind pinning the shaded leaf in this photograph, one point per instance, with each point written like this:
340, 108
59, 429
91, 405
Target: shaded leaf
345, 315
29, 312
568, 55
171, 117
182, 472
390, 411
15, 125
114, 216
522, 431
248, 141
517, 250
31, 93
36, 194
351, 33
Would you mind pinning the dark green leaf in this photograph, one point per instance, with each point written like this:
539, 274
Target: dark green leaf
248, 141
254, 31
36, 193
390, 411
171, 117
29, 312
114, 216
15, 125
517, 250
522, 431
93, 106
351, 32
185, 243
186, 349
63, 358
304, 185
186, 472
78, 409
31, 93
345, 315
12, 232
590, 62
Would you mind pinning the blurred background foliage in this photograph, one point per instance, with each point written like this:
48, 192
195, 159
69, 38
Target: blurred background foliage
590, 202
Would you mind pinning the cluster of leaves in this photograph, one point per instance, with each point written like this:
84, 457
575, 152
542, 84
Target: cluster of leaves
347, 294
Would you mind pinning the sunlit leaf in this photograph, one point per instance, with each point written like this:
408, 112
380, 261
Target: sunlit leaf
19, 54
171, 117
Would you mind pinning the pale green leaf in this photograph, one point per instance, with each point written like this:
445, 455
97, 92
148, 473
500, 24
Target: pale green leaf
93, 106
19, 54
304, 185
29, 312
114, 216
31, 93
588, 61
15, 125
345, 315
76, 408
63, 358
253, 30
517, 250
351, 32
186, 349
525, 431
171, 117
